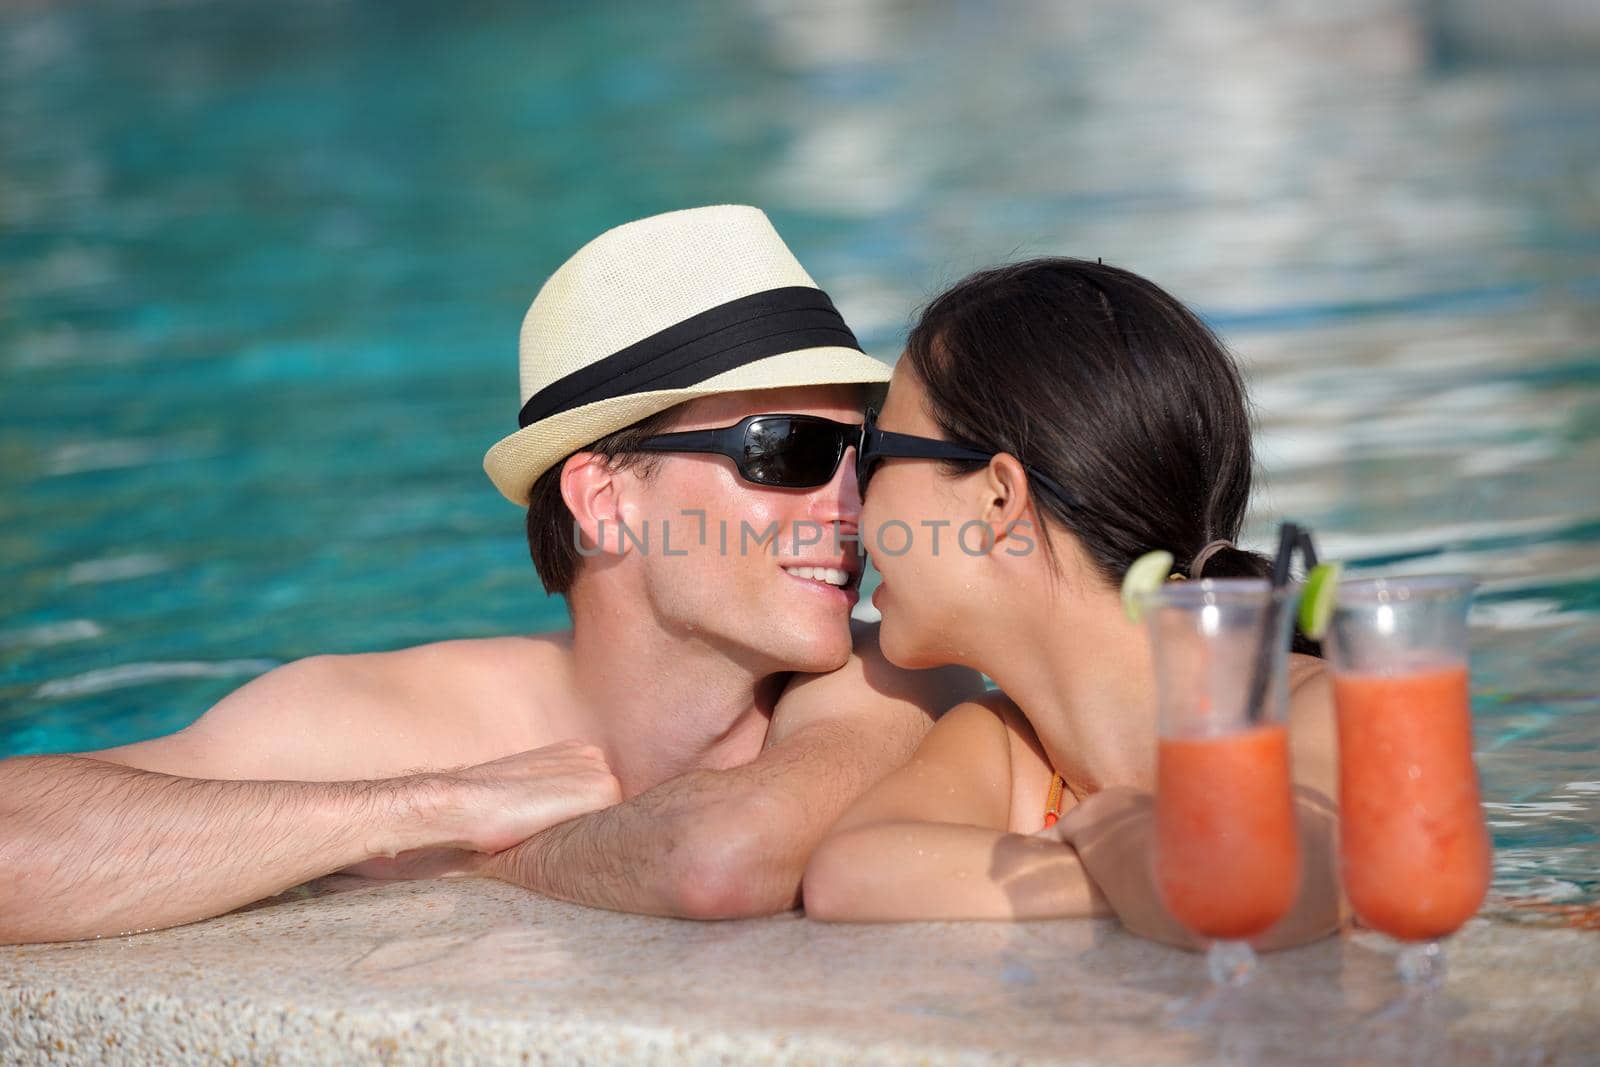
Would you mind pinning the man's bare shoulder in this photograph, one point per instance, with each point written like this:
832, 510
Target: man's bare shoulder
471, 699
945, 686
868, 666
470, 664
368, 715
868, 681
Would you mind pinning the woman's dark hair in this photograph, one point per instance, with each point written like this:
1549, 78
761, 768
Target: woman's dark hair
1111, 387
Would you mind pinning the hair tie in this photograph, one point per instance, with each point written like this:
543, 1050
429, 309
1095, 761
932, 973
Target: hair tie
1202, 557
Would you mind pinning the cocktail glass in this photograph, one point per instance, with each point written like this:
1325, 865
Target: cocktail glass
1414, 851
1227, 858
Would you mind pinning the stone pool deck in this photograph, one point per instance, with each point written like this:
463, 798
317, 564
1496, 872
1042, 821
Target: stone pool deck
474, 972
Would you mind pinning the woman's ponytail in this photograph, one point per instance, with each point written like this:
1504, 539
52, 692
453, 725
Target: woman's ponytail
1231, 561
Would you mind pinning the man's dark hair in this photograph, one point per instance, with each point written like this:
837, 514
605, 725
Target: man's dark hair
551, 538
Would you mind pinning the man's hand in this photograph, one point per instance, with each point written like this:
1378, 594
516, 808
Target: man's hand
490, 807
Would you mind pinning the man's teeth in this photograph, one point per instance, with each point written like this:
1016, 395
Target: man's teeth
821, 574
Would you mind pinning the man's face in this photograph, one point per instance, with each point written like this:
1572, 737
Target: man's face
750, 580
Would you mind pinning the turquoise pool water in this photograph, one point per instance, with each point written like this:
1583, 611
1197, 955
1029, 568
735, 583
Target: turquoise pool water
263, 266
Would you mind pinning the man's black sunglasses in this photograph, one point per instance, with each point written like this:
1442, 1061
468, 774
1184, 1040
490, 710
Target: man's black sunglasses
804, 451
785, 451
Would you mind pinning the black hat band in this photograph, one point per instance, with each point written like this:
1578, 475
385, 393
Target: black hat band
701, 347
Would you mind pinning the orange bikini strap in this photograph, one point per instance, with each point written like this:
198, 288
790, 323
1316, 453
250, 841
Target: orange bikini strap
1052, 804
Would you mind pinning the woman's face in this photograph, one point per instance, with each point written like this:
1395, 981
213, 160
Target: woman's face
932, 595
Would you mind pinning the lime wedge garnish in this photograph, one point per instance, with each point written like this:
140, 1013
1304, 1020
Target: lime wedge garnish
1316, 603
1145, 576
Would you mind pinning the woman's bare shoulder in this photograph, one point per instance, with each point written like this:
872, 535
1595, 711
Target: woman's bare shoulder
980, 719
1007, 736
1313, 733
1031, 770
1306, 670
995, 714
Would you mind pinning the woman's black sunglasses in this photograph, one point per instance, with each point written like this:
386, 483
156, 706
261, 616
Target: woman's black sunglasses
878, 445
804, 451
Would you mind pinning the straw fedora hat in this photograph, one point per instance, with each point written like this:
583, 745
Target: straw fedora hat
661, 311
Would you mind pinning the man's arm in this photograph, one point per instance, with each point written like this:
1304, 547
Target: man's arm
732, 843
91, 848
151, 835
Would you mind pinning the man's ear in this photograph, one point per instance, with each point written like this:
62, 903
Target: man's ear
591, 488
1006, 494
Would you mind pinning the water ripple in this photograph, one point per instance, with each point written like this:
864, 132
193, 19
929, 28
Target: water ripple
132, 674
251, 351
51, 633
116, 568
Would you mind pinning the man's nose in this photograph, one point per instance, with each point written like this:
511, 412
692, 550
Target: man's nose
840, 499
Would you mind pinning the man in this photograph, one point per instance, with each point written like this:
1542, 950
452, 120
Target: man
679, 751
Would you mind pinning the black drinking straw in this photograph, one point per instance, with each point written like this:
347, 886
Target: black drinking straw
1261, 672
1308, 549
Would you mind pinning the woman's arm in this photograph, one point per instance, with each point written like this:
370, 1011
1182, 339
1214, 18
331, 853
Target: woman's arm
930, 841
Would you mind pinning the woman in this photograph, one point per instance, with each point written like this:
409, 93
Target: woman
1104, 421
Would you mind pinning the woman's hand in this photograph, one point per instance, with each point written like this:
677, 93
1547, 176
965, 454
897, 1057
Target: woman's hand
1113, 832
